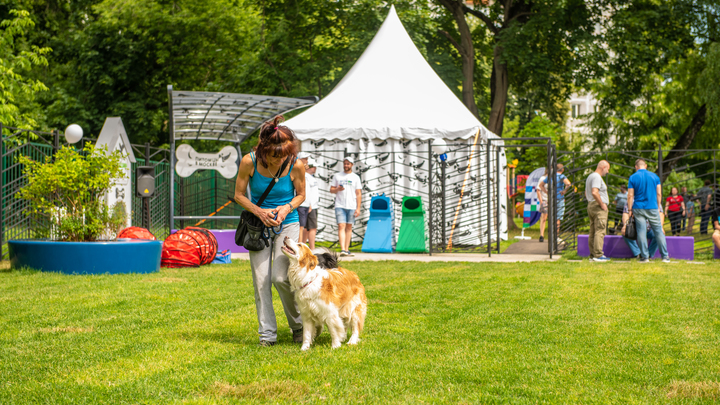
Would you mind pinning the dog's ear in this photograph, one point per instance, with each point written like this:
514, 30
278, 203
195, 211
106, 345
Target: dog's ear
307, 258
328, 260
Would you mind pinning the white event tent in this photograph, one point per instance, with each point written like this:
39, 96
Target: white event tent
385, 112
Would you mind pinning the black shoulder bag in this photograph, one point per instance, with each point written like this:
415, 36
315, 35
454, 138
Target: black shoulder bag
631, 228
250, 229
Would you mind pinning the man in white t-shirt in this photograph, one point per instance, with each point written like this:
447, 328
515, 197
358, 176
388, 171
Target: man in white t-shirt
598, 200
347, 189
307, 211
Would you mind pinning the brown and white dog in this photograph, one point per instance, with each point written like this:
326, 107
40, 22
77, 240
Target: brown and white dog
325, 294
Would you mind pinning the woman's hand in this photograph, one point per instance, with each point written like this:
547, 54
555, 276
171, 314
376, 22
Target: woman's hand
282, 212
267, 216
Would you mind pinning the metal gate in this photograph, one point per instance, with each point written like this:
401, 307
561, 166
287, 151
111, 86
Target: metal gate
469, 204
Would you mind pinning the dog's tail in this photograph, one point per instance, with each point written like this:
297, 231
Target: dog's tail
327, 259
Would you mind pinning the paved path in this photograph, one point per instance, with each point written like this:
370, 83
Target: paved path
528, 247
437, 257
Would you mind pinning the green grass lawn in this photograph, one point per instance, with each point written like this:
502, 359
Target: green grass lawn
436, 332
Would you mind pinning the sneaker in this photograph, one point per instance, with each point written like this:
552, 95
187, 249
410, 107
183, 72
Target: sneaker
541, 239
666, 260
601, 259
342, 253
349, 253
644, 260
298, 336
266, 343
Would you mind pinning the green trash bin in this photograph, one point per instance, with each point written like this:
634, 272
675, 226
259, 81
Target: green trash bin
411, 238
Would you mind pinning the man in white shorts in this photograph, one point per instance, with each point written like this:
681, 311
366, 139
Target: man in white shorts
347, 189
307, 211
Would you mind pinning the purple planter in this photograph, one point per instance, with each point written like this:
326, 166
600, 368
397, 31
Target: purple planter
225, 239
614, 246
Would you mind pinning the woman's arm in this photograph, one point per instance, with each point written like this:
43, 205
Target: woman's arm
246, 170
298, 179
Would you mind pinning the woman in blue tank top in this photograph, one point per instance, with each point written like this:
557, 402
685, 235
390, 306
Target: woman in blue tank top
276, 144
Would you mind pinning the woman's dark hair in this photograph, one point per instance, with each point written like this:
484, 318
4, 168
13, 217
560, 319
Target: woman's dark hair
275, 140
623, 189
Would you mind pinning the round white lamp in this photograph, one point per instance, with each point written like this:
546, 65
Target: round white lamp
439, 147
73, 133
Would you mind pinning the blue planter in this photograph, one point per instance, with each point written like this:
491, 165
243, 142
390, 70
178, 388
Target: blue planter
115, 257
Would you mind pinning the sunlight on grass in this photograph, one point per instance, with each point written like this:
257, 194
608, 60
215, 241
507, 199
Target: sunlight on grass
690, 390
262, 390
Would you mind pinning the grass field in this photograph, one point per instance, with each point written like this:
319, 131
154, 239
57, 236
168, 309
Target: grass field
436, 332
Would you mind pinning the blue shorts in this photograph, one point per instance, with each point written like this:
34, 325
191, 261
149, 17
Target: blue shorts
560, 209
345, 216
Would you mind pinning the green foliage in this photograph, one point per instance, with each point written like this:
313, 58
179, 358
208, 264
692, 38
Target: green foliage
17, 91
680, 180
533, 158
662, 65
67, 194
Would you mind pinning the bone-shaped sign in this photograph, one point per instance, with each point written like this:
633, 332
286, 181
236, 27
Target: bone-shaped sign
188, 160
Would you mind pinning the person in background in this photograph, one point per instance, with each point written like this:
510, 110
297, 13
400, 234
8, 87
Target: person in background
302, 210
276, 145
620, 203
684, 195
562, 185
303, 158
632, 244
598, 200
716, 226
675, 208
705, 195
690, 208
307, 211
644, 202
348, 194
543, 200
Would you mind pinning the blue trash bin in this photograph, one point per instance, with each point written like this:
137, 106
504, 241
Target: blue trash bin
379, 235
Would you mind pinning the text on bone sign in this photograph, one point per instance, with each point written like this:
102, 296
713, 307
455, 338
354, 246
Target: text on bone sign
189, 160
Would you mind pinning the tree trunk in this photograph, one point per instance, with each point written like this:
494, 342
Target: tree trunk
498, 92
511, 215
678, 151
467, 53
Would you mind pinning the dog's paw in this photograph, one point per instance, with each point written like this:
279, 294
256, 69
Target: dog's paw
353, 341
305, 347
336, 345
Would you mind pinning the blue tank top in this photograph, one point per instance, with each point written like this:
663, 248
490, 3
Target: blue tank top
282, 193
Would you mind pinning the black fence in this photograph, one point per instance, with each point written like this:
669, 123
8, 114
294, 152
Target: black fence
464, 195
688, 168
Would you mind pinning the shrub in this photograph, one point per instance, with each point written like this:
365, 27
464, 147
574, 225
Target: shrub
66, 193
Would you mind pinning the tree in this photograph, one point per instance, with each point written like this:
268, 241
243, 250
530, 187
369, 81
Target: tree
116, 58
537, 46
659, 86
17, 91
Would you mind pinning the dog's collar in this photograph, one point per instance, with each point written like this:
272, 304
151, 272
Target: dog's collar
308, 283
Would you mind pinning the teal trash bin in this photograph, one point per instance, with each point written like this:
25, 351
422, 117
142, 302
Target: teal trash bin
379, 235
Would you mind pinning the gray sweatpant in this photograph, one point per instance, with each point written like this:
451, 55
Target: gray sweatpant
263, 282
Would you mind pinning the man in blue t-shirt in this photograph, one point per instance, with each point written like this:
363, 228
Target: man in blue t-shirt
644, 200
562, 185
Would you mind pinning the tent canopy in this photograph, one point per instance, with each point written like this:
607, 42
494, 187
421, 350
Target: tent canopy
390, 93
